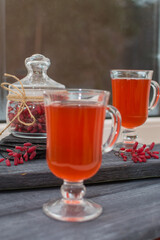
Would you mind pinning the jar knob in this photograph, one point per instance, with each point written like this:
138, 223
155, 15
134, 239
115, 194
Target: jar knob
37, 61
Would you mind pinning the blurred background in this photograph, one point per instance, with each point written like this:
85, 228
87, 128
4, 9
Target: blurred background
84, 39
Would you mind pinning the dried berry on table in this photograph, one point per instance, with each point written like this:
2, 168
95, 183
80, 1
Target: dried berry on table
138, 155
20, 154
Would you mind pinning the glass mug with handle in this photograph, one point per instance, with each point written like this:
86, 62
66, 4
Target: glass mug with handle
74, 121
130, 92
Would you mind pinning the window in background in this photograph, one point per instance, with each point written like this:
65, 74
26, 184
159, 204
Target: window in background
84, 39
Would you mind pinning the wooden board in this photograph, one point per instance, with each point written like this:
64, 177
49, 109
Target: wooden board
35, 173
131, 211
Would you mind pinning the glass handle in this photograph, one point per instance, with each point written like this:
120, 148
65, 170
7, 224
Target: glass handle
155, 96
115, 129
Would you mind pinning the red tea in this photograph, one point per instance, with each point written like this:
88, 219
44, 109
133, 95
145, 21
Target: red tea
74, 140
131, 98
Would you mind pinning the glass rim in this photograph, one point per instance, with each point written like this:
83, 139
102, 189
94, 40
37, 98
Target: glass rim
130, 70
78, 90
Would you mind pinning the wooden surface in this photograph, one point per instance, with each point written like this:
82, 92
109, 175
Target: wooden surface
34, 174
131, 211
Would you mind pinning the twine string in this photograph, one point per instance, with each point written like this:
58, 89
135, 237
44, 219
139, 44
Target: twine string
21, 96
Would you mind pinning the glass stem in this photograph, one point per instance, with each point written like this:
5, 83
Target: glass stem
129, 136
73, 191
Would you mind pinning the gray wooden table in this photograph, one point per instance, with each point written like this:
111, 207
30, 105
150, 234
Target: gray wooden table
131, 210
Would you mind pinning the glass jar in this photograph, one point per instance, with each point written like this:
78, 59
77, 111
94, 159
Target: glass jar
25, 107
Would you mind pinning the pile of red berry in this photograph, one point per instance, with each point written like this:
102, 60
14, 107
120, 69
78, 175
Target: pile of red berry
37, 110
20, 154
138, 154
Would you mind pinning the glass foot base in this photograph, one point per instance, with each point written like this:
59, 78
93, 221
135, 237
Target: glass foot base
128, 145
73, 211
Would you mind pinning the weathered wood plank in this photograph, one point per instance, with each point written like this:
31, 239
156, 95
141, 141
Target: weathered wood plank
35, 173
131, 210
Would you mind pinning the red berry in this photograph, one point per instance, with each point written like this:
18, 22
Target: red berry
122, 149
33, 154
8, 163
9, 150
25, 156
135, 145
155, 156
147, 149
155, 152
152, 146
21, 160
16, 161
31, 149
2, 159
28, 144
10, 153
139, 150
129, 150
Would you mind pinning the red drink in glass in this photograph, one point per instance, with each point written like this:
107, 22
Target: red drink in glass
74, 121
74, 146
131, 98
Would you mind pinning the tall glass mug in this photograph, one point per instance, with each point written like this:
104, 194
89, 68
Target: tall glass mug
130, 92
75, 120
